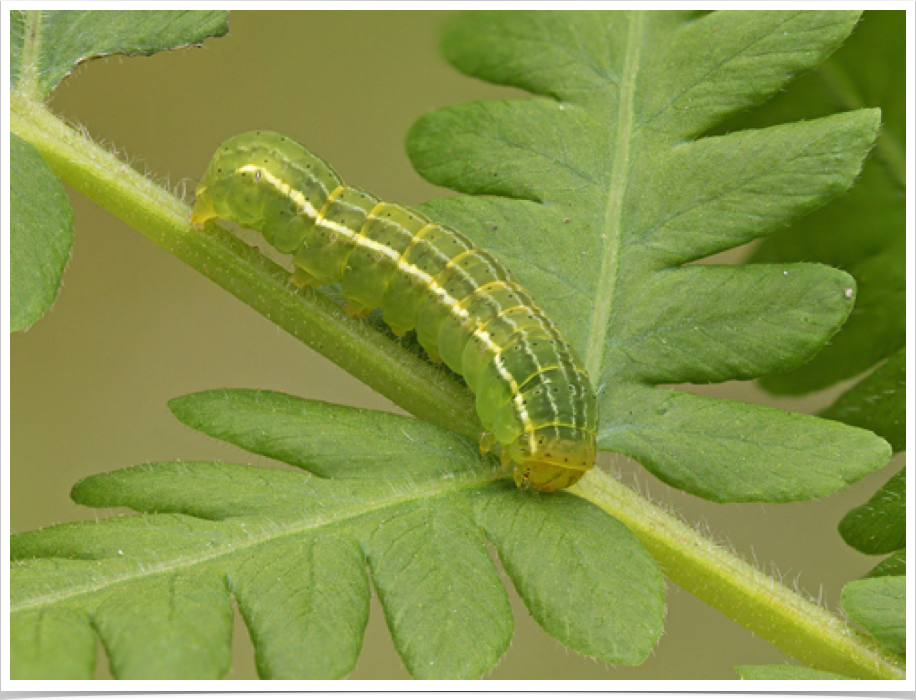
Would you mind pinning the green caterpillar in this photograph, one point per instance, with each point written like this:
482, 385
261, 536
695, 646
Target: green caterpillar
533, 396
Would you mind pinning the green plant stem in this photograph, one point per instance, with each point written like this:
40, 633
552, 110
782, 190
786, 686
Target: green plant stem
713, 574
745, 594
355, 345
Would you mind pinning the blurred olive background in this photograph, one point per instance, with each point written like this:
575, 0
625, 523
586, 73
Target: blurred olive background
133, 327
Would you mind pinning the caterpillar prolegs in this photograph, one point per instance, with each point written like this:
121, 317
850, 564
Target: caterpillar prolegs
533, 395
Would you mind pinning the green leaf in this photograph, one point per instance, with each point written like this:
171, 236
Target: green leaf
317, 632
41, 234
877, 402
728, 451
174, 625
879, 526
601, 193
51, 644
862, 232
446, 607
879, 605
553, 550
309, 434
293, 551
894, 565
45, 46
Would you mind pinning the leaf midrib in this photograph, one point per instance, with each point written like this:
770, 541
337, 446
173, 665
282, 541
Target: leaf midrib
28, 62
314, 522
611, 229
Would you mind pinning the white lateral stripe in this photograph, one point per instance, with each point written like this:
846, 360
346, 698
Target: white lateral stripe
407, 268
282, 187
306, 205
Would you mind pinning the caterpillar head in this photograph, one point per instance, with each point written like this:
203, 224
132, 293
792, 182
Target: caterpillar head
227, 193
552, 458
203, 210
229, 188
545, 476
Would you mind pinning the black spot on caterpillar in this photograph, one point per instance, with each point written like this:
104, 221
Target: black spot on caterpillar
533, 395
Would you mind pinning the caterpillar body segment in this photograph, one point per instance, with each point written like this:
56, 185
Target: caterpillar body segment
533, 395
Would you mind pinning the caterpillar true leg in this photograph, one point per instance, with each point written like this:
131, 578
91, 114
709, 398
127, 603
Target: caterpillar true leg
355, 310
487, 442
301, 278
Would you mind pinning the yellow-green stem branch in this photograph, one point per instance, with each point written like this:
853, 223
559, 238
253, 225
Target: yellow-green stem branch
367, 353
745, 594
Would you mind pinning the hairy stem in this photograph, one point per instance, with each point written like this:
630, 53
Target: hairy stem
745, 594
364, 351
716, 576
